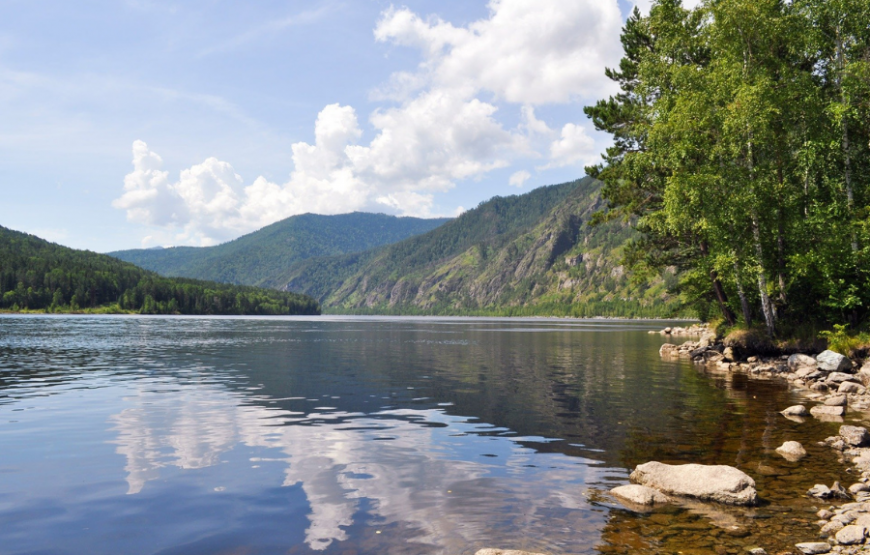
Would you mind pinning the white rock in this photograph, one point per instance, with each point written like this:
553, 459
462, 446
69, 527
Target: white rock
859, 487
640, 495
855, 436
829, 361
792, 451
813, 548
836, 401
823, 410
839, 377
851, 387
724, 484
851, 535
797, 410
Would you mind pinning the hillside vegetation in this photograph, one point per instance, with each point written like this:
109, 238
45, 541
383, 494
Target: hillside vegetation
520, 255
259, 258
38, 275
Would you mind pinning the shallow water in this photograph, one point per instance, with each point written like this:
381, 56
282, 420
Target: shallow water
377, 435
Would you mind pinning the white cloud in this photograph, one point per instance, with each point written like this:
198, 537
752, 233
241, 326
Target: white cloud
644, 5
573, 147
519, 178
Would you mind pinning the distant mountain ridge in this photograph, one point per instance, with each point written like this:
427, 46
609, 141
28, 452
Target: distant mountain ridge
521, 255
259, 258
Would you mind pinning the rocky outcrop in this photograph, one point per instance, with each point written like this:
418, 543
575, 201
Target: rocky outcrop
723, 484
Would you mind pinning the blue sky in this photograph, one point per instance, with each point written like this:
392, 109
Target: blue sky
155, 122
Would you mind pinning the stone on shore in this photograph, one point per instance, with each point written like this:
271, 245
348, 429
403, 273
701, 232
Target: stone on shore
829, 361
824, 410
813, 548
800, 362
856, 436
490, 551
797, 410
669, 350
851, 535
723, 484
836, 378
792, 451
851, 387
822, 491
836, 401
864, 373
640, 495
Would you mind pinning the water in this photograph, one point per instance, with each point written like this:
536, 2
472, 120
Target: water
376, 435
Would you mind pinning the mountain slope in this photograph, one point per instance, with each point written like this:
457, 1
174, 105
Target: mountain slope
36, 275
259, 257
529, 254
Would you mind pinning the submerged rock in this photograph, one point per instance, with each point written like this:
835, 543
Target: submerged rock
829, 361
792, 451
640, 495
813, 548
797, 410
724, 484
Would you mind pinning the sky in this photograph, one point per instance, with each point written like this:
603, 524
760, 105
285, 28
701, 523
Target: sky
142, 123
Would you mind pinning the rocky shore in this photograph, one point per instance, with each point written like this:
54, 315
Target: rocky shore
832, 384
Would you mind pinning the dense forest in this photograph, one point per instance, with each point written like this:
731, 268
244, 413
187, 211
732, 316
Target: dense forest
741, 155
259, 258
38, 275
523, 255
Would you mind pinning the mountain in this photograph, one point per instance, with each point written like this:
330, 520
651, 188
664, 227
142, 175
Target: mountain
260, 257
533, 254
38, 275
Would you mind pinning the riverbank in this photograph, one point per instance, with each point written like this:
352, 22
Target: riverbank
835, 388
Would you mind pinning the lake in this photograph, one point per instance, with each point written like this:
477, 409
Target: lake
358, 435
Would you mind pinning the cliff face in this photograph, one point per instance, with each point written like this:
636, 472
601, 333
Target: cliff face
554, 263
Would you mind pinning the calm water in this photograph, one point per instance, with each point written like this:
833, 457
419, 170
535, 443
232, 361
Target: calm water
375, 435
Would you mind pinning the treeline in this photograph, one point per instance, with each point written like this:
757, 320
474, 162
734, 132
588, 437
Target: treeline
598, 309
38, 275
741, 152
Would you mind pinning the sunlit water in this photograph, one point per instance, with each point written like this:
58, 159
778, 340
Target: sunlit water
375, 435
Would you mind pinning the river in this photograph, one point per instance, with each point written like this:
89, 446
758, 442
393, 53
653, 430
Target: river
358, 435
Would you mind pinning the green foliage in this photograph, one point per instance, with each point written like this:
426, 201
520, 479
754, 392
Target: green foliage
38, 275
742, 156
842, 341
260, 258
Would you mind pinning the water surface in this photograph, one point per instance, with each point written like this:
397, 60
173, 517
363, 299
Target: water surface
375, 435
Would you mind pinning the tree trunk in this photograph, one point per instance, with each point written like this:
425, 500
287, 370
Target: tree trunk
744, 302
719, 291
766, 305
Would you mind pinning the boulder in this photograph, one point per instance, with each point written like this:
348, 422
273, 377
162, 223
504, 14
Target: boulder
837, 378
864, 373
829, 361
851, 535
851, 387
813, 548
797, 410
724, 484
823, 410
831, 528
640, 495
856, 436
836, 401
792, 451
801, 362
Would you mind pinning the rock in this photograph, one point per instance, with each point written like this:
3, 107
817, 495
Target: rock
836, 401
829, 361
851, 535
490, 551
836, 378
864, 373
851, 387
823, 410
855, 436
863, 520
792, 451
824, 514
669, 350
640, 495
797, 410
724, 484
819, 386
831, 528
728, 354
757, 551
799, 362
667, 331
859, 487
813, 548
808, 373
844, 518
821, 491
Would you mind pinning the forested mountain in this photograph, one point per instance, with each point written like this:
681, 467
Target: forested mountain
529, 254
260, 257
36, 274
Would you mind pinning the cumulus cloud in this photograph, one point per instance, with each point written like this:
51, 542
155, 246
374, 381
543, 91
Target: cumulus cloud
519, 178
440, 127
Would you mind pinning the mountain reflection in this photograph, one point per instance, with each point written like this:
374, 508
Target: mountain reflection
415, 467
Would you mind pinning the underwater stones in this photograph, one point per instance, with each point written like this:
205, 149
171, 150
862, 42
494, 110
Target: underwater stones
797, 410
723, 484
856, 436
792, 451
813, 548
640, 495
829, 361
824, 410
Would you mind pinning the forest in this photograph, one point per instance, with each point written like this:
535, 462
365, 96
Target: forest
36, 275
741, 156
